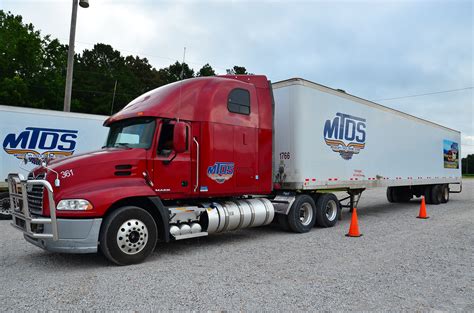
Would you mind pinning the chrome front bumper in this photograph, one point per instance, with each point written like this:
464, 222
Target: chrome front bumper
50, 233
21, 216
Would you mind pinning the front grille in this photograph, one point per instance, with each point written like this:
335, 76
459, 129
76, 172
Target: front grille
35, 195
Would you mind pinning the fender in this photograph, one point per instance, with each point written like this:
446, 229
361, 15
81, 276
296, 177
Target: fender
102, 193
164, 217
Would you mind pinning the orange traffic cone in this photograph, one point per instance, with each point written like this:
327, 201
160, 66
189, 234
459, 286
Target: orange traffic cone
422, 213
354, 228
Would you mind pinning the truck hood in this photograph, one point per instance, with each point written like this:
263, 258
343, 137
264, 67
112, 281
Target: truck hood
86, 176
108, 155
95, 165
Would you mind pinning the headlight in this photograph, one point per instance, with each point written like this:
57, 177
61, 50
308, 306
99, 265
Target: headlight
74, 205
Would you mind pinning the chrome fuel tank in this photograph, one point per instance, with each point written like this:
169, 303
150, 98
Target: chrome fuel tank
237, 214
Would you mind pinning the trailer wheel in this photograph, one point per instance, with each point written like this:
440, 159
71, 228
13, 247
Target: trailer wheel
302, 215
445, 193
436, 194
428, 193
328, 210
404, 194
395, 194
390, 194
5, 206
128, 235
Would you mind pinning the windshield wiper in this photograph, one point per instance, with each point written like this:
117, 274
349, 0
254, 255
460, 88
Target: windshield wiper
122, 144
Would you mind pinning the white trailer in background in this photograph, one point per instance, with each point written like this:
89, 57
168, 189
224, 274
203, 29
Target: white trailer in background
33, 134
328, 139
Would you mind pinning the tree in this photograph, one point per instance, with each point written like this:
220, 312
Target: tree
31, 67
20, 58
206, 70
237, 70
467, 164
175, 72
33, 72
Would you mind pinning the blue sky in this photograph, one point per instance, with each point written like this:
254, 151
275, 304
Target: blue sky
372, 49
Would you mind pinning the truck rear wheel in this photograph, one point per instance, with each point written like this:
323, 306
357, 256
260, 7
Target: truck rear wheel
328, 210
302, 215
5, 206
128, 235
445, 193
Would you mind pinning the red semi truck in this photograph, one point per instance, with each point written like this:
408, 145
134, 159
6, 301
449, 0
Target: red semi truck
198, 157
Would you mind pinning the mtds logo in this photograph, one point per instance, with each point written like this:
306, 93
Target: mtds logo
345, 134
221, 171
36, 144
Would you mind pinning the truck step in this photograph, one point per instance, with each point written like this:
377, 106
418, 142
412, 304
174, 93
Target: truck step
180, 237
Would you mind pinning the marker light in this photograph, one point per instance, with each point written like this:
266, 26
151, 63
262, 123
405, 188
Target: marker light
74, 205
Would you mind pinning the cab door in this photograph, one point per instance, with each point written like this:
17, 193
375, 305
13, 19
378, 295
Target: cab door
171, 170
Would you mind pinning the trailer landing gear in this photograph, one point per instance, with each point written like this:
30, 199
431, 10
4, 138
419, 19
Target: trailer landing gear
353, 202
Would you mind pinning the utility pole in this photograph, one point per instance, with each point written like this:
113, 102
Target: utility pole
70, 54
113, 99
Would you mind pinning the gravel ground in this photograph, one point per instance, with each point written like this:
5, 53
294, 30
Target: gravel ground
401, 263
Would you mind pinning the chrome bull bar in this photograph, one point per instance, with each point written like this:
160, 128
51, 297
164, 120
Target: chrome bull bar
22, 218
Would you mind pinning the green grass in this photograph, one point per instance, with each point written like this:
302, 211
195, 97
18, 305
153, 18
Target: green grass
467, 175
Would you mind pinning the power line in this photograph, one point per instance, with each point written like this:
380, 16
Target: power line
424, 94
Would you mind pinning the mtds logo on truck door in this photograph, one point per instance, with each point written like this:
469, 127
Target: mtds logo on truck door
345, 134
221, 171
36, 144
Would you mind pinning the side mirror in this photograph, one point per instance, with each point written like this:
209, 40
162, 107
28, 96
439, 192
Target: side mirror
179, 137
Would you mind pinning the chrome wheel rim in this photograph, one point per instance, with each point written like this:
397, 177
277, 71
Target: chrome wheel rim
5, 206
132, 236
331, 210
446, 193
306, 214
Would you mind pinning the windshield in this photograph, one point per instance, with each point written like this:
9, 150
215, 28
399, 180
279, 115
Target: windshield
131, 133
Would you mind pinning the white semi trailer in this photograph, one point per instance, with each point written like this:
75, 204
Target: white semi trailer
32, 134
328, 139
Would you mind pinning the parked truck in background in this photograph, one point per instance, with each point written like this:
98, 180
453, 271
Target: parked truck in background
215, 154
29, 135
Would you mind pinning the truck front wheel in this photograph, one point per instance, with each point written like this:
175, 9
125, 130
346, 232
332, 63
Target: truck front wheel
128, 235
328, 210
302, 215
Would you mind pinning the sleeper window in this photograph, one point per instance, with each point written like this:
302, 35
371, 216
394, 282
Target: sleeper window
239, 101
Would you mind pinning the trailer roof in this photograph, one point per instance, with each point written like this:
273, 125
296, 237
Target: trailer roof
51, 112
343, 94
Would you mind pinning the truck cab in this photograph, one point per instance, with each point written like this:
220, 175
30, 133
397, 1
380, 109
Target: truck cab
223, 126
169, 155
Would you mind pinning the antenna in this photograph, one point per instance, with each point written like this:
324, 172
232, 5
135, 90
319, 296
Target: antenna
182, 65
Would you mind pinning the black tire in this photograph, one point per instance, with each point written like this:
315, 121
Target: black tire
428, 193
390, 194
395, 194
328, 210
436, 194
5, 206
444, 193
404, 194
121, 221
302, 215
